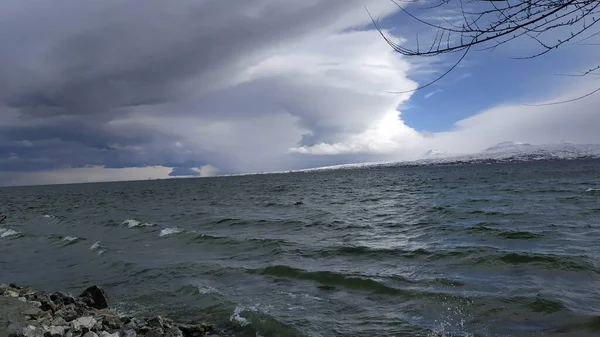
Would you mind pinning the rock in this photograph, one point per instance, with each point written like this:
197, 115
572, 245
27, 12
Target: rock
173, 332
112, 322
60, 297
80, 311
155, 332
133, 323
12, 293
156, 322
45, 318
23, 291
67, 313
22, 299
59, 321
95, 297
48, 305
33, 312
193, 330
36, 303
55, 331
98, 326
90, 334
83, 323
30, 331
106, 334
129, 333
69, 334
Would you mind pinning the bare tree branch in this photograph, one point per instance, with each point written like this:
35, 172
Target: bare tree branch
492, 23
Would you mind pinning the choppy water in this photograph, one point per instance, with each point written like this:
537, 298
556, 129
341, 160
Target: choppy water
471, 250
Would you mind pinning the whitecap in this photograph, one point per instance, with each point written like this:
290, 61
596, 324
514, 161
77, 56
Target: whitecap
204, 289
237, 318
593, 190
7, 232
97, 247
70, 238
47, 216
169, 231
131, 223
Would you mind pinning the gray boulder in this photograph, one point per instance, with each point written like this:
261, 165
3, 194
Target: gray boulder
83, 323
95, 297
55, 331
129, 333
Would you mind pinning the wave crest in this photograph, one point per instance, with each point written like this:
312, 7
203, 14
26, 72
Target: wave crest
6, 232
170, 231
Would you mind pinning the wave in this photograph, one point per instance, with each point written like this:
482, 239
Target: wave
545, 261
132, 223
70, 239
6, 232
329, 278
98, 248
170, 231
362, 251
545, 305
330, 281
505, 234
235, 317
254, 321
226, 220
593, 191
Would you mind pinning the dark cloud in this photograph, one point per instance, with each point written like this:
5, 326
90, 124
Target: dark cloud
71, 71
184, 171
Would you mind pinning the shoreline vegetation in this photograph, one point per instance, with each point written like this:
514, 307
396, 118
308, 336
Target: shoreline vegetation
26, 312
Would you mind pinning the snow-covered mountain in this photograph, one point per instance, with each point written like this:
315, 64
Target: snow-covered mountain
504, 152
516, 152
508, 146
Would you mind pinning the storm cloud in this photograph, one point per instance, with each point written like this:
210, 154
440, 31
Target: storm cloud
113, 90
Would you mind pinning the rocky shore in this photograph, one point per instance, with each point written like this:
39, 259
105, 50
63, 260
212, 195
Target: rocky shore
25, 312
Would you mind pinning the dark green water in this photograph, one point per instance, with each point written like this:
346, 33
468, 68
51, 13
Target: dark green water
471, 250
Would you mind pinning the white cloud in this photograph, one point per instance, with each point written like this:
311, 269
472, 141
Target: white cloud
431, 93
576, 122
207, 171
324, 96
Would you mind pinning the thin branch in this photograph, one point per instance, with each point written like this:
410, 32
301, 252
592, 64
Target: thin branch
566, 101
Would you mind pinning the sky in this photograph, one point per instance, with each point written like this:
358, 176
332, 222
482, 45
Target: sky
125, 90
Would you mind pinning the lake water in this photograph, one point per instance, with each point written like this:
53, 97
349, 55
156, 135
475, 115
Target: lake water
463, 250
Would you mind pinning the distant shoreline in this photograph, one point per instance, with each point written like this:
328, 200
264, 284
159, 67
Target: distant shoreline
520, 153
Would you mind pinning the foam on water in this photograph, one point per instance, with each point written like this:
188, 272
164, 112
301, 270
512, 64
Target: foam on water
204, 289
47, 216
98, 248
132, 223
170, 231
593, 190
235, 317
70, 238
6, 232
